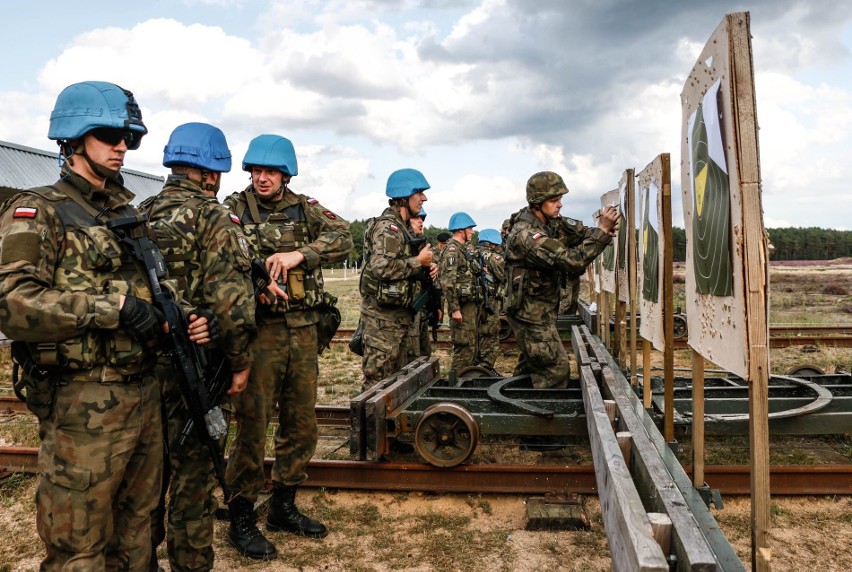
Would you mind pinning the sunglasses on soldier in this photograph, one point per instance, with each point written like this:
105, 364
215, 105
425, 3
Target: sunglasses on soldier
112, 136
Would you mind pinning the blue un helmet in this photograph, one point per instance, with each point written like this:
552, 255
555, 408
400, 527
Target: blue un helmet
88, 105
461, 221
271, 151
490, 235
422, 214
404, 183
198, 145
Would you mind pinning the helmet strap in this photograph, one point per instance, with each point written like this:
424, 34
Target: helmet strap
210, 187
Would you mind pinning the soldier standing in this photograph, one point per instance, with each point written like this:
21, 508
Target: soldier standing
574, 233
389, 278
490, 254
462, 292
536, 256
295, 235
204, 247
79, 308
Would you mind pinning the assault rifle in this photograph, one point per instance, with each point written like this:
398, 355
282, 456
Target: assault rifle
484, 280
186, 356
430, 297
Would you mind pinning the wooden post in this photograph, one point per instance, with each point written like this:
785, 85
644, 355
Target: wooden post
646, 373
668, 303
661, 528
618, 333
611, 410
625, 443
697, 419
631, 272
756, 278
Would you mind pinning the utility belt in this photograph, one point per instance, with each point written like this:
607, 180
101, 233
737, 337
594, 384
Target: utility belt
105, 374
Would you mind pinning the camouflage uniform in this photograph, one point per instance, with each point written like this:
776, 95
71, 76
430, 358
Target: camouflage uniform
100, 460
285, 365
489, 326
536, 256
461, 292
204, 247
388, 287
575, 232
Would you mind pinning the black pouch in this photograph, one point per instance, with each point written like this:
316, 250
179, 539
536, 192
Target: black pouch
31, 384
329, 321
356, 345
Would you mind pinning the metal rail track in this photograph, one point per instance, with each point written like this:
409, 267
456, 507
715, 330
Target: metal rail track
513, 479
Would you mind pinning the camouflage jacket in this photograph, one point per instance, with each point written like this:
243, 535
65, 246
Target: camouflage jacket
458, 276
537, 257
293, 223
205, 249
495, 270
390, 263
62, 272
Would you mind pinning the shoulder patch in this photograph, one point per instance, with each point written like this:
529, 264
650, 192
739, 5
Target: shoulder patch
25, 212
536, 236
234, 218
393, 227
329, 214
451, 249
311, 201
498, 257
570, 220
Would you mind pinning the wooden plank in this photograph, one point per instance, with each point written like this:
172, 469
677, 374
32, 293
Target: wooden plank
378, 408
726, 557
578, 341
656, 486
631, 272
627, 526
668, 300
646, 373
697, 419
358, 424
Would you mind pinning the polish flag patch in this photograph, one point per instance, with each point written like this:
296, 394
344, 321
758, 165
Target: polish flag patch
330, 215
312, 201
536, 236
234, 218
25, 212
394, 228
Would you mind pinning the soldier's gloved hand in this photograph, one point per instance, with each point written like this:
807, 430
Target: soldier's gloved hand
212, 333
143, 321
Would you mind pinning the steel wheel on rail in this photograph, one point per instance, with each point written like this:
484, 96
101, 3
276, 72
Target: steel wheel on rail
446, 435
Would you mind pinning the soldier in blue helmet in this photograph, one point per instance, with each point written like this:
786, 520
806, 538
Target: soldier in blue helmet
294, 235
207, 253
390, 277
489, 254
87, 339
462, 291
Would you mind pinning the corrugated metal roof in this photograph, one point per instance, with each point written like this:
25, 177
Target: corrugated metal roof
24, 168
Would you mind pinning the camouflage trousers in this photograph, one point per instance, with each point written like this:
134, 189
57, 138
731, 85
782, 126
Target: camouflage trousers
464, 336
388, 340
191, 488
420, 343
99, 475
489, 339
285, 372
542, 354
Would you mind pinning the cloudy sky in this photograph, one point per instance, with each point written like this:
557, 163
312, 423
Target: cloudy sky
477, 94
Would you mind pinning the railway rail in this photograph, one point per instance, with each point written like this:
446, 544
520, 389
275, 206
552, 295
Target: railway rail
512, 479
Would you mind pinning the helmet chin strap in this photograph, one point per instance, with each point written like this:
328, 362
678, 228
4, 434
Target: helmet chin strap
211, 187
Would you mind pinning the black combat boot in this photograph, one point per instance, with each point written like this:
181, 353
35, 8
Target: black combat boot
243, 533
283, 515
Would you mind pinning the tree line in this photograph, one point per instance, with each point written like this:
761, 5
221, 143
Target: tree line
811, 243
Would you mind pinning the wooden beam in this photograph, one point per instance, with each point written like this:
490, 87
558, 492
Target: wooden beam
668, 302
697, 419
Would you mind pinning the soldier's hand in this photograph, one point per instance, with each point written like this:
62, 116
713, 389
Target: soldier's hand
198, 329
608, 220
142, 321
433, 271
279, 263
203, 326
456, 316
424, 257
239, 381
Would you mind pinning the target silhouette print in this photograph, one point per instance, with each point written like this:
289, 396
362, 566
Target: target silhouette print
711, 196
650, 245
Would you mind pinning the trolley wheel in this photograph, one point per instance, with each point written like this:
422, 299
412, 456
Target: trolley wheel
680, 327
446, 435
476, 371
807, 369
505, 329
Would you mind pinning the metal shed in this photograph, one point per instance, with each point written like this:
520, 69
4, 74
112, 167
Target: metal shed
25, 167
